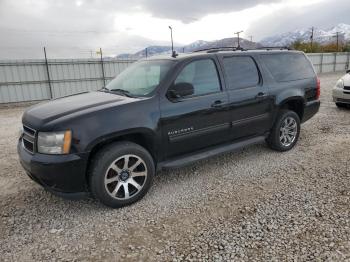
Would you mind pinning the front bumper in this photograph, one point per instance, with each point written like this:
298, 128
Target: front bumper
310, 109
63, 175
341, 96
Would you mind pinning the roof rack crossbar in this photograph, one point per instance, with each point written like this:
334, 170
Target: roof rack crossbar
275, 48
217, 49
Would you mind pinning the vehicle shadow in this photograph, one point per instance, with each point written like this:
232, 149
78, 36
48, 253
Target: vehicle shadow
36, 203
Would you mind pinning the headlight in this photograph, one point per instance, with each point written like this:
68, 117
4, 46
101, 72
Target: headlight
20, 132
54, 142
340, 84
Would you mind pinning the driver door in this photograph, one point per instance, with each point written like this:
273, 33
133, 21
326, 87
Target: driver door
199, 120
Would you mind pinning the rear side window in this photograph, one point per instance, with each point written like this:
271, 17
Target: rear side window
288, 67
241, 72
202, 74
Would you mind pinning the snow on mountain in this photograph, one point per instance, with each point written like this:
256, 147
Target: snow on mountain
197, 45
322, 36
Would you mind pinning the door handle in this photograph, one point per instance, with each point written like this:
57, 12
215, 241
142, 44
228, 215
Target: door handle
217, 103
261, 95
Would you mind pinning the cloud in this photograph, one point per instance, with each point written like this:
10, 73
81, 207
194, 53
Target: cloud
189, 11
76, 28
66, 28
324, 14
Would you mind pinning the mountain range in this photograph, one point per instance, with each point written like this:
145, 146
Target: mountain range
321, 36
195, 46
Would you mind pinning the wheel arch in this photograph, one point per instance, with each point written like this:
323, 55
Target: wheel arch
294, 103
141, 136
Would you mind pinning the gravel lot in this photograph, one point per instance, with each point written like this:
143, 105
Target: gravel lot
255, 204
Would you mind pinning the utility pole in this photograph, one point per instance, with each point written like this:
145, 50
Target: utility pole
146, 52
172, 42
102, 67
312, 38
237, 33
48, 73
251, 38
337, 36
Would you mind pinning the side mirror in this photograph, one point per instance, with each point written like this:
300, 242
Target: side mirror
348, 71
180, 90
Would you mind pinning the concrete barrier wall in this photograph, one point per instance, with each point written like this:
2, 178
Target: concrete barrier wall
31, 80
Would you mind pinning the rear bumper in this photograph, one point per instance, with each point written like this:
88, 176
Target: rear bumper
63, 175
310, 109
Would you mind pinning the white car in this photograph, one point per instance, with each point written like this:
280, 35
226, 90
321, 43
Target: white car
341, 91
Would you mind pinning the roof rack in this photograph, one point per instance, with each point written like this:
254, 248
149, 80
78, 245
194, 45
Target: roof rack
274, 48
217, 49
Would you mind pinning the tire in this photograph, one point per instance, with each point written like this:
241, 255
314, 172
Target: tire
121, 174
286, 119
340, 105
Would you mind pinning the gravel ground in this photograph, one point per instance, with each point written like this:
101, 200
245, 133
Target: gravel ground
255, 204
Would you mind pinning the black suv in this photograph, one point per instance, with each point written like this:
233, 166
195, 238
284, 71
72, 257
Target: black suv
166, 112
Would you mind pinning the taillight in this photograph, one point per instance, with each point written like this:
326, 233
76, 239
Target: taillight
318, 88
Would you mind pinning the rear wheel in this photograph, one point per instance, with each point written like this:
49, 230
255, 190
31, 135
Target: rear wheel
285, 132
121, 174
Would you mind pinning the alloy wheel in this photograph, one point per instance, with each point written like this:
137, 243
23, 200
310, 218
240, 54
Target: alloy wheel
125, 177
288, 131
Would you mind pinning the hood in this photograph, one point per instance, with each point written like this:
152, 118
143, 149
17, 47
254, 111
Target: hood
54, 109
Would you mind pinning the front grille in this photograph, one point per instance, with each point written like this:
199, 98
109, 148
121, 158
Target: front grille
347, 88
28, 139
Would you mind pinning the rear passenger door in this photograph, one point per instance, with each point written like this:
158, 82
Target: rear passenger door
250, 105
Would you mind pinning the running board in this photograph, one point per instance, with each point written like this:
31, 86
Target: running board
203, 154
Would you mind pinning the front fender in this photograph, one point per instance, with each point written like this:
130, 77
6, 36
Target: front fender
149, 135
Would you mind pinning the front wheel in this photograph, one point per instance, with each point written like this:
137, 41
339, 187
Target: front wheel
340, 105
285, 132
121, 174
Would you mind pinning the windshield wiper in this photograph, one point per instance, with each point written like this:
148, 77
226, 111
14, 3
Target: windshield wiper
122, 91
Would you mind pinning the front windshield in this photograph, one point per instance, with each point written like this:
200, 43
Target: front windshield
141, 78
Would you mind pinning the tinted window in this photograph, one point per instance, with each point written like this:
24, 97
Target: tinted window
202, 74
241, 72
288, 67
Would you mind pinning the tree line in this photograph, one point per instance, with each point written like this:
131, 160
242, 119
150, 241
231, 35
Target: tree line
315, 47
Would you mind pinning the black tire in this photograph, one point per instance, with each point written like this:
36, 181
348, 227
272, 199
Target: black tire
340, 105
274, 140
106, 160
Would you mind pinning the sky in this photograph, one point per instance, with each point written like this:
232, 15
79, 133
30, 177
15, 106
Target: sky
77, 28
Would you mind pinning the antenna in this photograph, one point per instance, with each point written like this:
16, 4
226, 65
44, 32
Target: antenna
237, 33
173, 52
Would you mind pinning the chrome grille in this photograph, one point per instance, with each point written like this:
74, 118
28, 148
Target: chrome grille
28, 139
